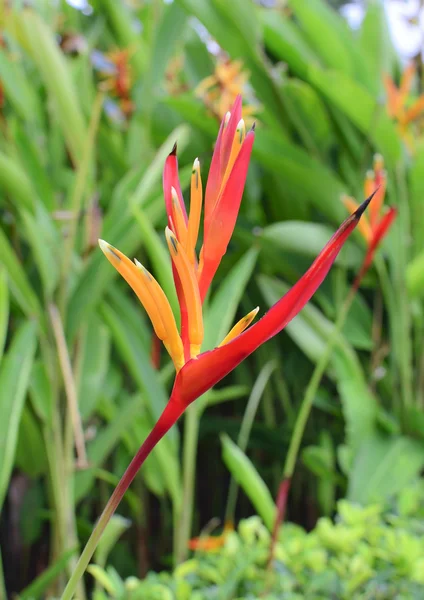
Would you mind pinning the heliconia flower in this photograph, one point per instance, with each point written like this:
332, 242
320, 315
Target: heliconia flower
219, 91
376, 227
116, 67
199, 371
399, 106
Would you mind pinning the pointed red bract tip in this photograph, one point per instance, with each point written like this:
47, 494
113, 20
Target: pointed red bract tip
171, 180
174, 149
220, 157
362, 207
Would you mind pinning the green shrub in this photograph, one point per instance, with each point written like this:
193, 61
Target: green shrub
364, 553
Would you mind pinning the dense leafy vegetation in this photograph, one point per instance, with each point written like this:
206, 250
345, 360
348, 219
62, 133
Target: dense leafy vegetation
366, 553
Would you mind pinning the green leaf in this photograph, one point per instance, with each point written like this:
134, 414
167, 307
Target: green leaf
41, 392
306, 180
94, 357
4, 310
307, 107
14, 379
365, 111
103, 444
44, 243
104, 579
18, 89
416, 196
35, 165
15, 183
383, 466
19, 284
114, 529
308, 239
30, 451
415, 276
284, 40
53, 68
250, 481
325, 32
167, 35
376, 44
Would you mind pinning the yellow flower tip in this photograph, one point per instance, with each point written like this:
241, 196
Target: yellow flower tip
227, 118
110, 252
240, 326
172, 241
174, 195
241, 131
378, 162
196, 164
143, 269
250, 316
179, 225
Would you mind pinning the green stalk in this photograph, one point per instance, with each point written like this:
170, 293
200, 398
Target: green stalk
245, 429
390, 302
403, 341
311, 390
191, 434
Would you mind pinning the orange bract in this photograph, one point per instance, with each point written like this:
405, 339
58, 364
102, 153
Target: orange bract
399, 104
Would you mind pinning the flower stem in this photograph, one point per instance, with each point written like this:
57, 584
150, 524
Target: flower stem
170, 415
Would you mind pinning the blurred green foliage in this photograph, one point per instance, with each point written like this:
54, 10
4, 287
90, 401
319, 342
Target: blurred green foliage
83, 141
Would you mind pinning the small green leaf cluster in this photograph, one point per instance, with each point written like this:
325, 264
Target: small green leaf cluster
371, 552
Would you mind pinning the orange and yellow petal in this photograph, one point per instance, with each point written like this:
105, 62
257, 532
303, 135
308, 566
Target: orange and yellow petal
190, 290
196, 196
414, 111
240, 326
406, 83
152, 298
393, 106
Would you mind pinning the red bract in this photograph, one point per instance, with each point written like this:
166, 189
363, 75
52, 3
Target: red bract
198, 371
